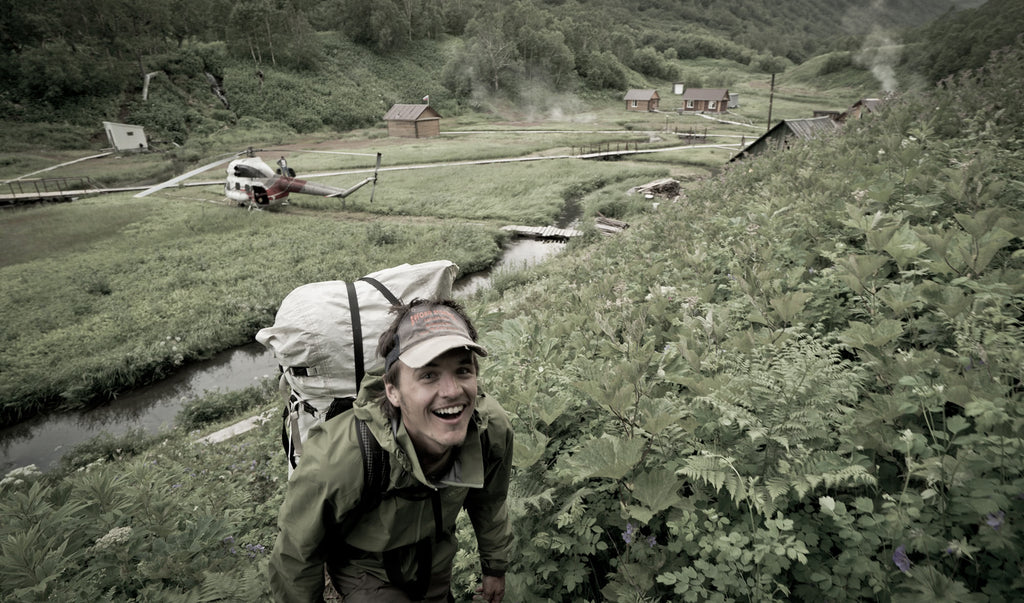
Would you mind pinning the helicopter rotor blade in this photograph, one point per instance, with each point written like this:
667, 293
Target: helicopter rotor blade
187, 175
319, 152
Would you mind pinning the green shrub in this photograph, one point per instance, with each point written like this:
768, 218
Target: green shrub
650, 62
107, 447
835, 62
219, 406
603, 70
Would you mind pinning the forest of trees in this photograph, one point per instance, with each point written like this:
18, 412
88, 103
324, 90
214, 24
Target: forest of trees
64, 59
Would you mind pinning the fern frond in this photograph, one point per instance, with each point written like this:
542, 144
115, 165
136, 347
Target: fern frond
778, 487
707, 469
217, 587
525, 495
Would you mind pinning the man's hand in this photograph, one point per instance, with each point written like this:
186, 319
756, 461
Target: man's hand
492, 590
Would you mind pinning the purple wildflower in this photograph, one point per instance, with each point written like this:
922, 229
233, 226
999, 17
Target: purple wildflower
627, 536
255, 550
652, 542
899, 557
995, 520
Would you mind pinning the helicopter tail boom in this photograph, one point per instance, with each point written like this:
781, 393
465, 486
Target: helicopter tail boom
296, 185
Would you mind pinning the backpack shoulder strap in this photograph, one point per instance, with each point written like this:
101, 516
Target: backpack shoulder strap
357, 325
376, 476
379, 286
376, 469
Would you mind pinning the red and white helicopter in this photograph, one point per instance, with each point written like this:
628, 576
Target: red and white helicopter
252, 183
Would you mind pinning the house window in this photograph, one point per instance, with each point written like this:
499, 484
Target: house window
634, 104
689, 104
130, 133
711, 105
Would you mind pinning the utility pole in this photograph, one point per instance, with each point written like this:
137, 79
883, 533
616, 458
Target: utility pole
771, 97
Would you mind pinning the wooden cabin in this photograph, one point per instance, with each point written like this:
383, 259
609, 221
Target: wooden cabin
413, 121
642, 100
705, 100
784, 133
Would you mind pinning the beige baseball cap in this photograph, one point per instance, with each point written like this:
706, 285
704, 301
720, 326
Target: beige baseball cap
428, 331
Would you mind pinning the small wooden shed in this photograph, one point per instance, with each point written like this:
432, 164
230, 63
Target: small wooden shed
413, 121
125, 137
642, 100
784, 133
705, 100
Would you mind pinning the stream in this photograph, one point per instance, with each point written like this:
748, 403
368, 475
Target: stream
43, 440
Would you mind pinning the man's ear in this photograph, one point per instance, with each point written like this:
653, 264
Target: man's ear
392, 394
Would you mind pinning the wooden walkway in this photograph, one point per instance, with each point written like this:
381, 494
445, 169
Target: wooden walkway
543, 232
47, 189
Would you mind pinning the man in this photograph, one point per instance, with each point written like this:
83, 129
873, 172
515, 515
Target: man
448, 448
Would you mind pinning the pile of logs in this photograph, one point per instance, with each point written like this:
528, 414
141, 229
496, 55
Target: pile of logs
609, 226
666, 188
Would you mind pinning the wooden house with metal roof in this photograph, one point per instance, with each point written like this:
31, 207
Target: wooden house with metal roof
784, 133
413, 121
642, 100
705, 100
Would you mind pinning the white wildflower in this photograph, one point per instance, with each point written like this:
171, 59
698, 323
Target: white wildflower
18, 476
116, 537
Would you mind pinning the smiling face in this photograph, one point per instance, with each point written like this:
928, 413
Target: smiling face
436, 401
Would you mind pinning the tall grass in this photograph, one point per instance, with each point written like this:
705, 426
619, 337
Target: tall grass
32, 233
531, 192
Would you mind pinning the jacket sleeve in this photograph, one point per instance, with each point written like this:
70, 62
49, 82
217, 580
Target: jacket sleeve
305, 523
488, 507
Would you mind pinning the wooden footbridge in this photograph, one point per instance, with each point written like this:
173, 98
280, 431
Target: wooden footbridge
602, 224
16, 192
549, 233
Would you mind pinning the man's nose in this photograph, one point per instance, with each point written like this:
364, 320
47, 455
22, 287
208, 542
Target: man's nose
449, 385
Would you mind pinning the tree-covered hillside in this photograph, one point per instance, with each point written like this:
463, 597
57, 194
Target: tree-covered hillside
80, 61
963, 40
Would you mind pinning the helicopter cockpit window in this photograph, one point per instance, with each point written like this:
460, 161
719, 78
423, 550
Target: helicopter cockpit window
238, 185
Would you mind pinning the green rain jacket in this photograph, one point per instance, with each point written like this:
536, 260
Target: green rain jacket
326, 487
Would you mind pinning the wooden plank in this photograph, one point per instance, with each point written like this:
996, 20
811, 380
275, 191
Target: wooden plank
543, 232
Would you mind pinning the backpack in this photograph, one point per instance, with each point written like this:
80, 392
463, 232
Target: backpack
325, 340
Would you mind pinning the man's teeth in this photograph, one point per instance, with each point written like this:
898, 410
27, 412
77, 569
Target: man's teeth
451, 411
